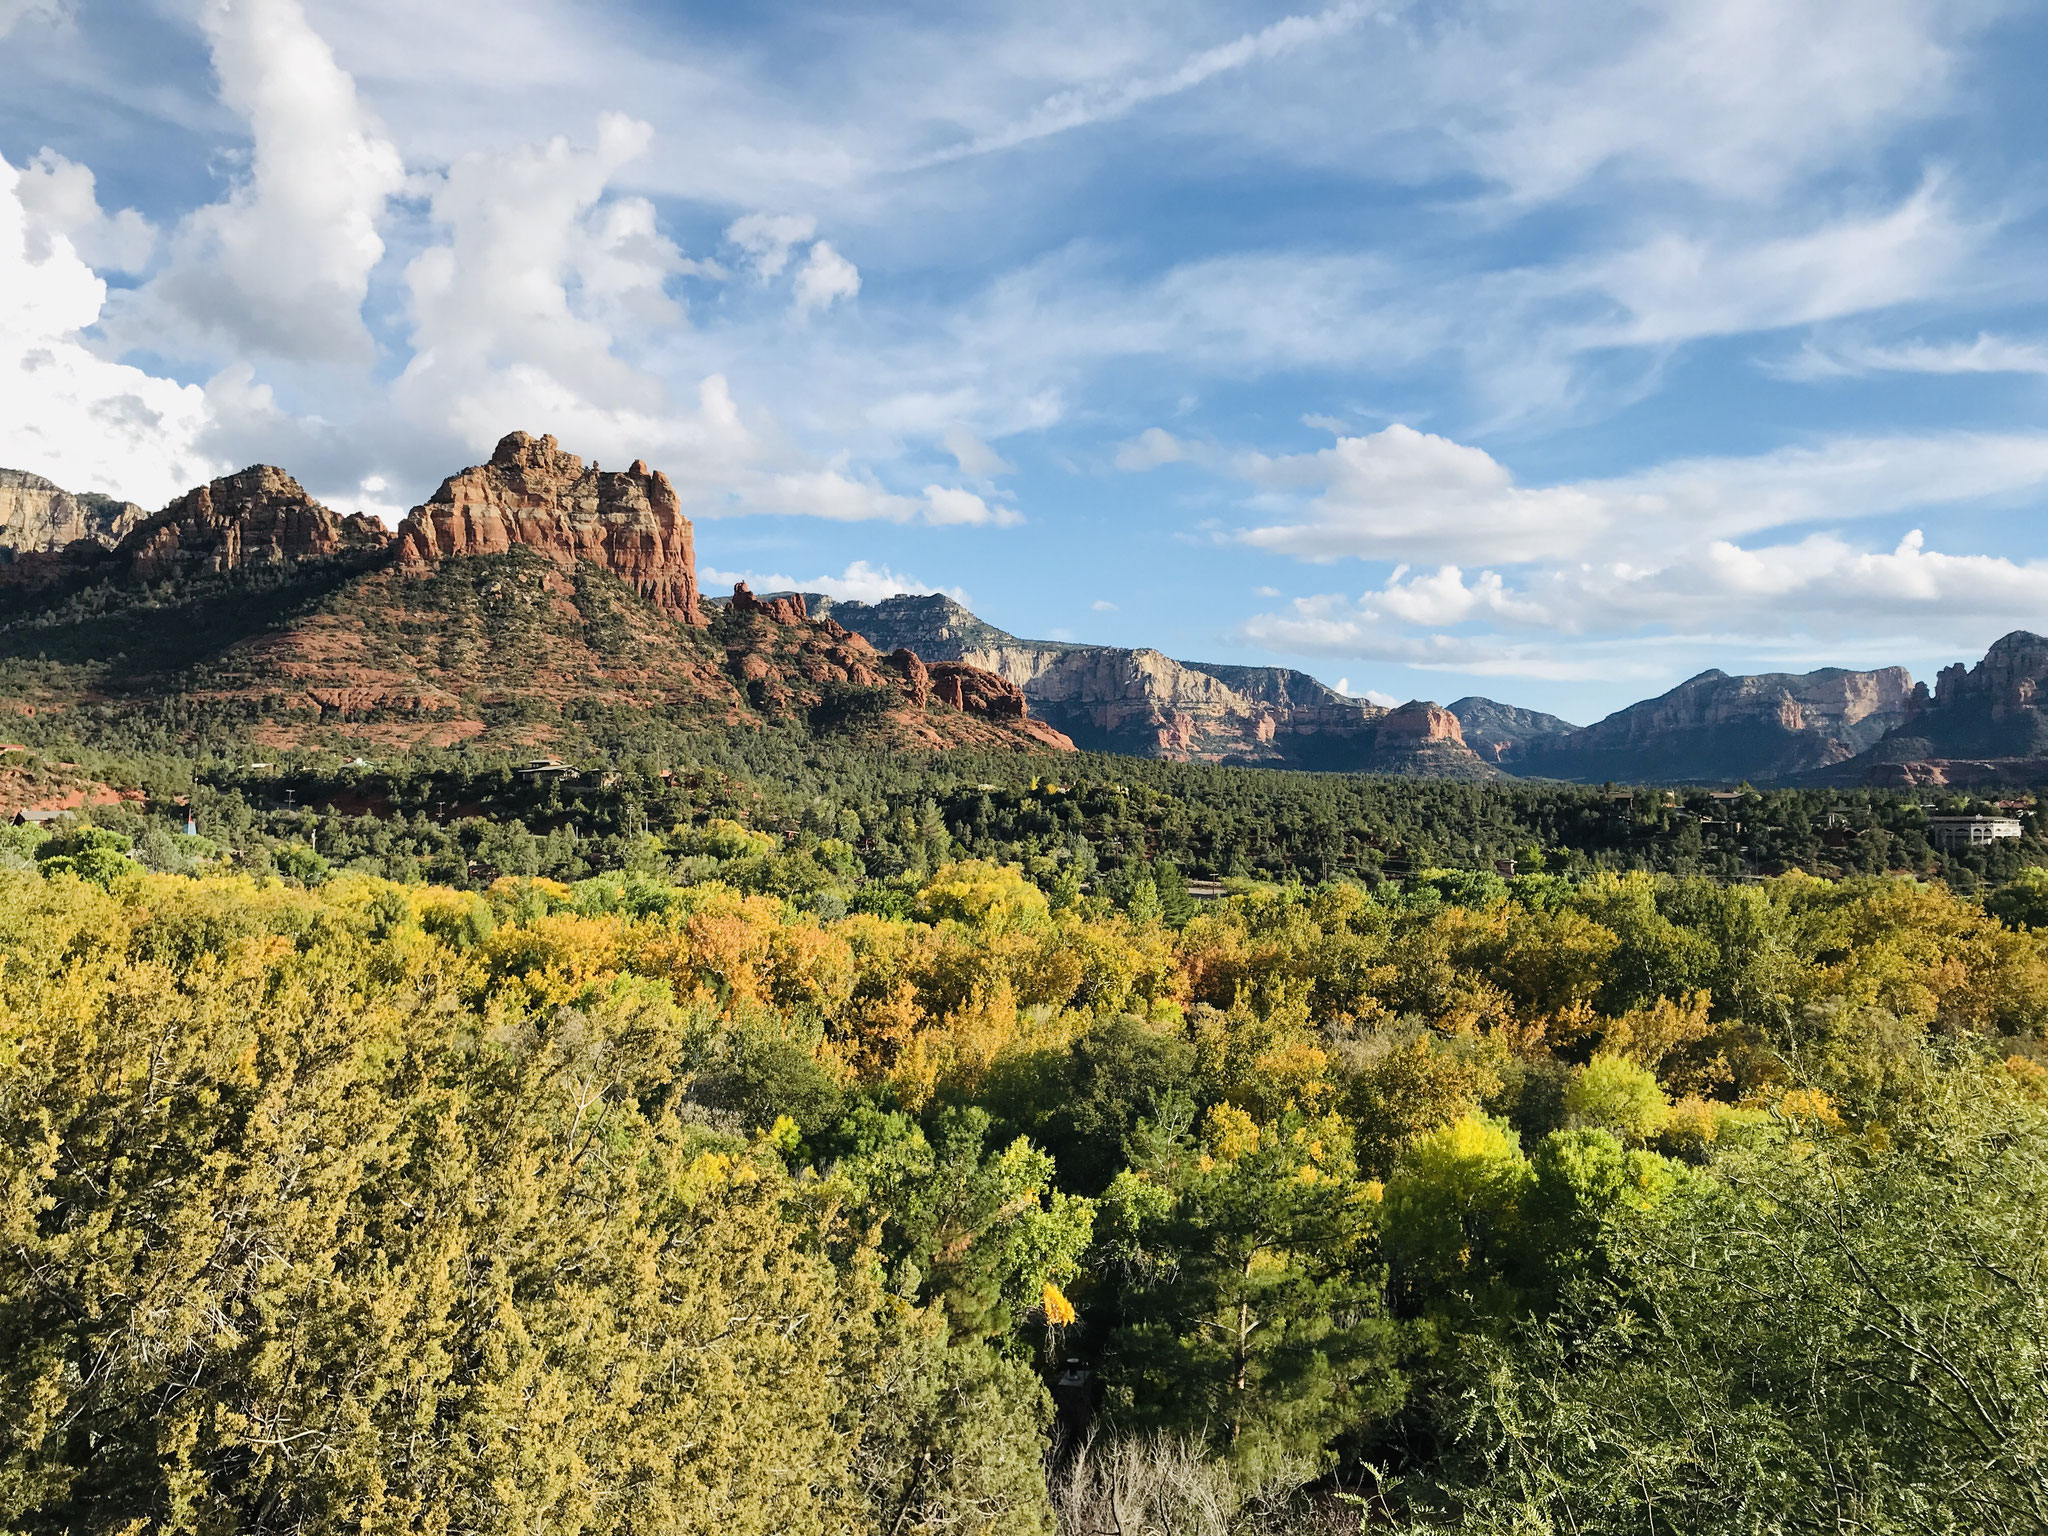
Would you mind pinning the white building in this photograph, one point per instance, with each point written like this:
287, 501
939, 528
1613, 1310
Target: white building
1970, 831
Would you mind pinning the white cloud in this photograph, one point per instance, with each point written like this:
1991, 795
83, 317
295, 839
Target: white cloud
766, 240
492, 303
282, 266
824, 277
1403, 494
1986, 354
1102, 605
1370, 695
1149, 449
944, 504
859, 582
1574, 620
60, 198
1676, 287
66, 412
1735, 97
976, 459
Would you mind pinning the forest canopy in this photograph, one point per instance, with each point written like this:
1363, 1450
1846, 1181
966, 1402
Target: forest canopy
678, 1198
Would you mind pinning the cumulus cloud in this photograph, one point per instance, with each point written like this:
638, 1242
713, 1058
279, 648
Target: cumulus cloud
66, 412
1535, 581
1403, 494
766, 240
976, 459
859, 582
533, 274
825, 276
282, 265
1572, 621
59, 197
1102, 605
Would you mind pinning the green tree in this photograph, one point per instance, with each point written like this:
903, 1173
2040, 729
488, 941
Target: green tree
1251, 1288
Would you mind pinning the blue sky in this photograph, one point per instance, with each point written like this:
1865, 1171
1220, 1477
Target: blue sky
1550, 353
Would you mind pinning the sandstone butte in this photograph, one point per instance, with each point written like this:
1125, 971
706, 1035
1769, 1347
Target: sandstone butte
532, 493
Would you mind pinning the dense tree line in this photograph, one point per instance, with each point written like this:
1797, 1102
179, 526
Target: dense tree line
465, 817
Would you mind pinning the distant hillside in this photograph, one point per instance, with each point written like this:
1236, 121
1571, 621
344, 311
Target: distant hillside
527, 596
1496, 731
1145, 703
38, 517
1710, 728
1141, 702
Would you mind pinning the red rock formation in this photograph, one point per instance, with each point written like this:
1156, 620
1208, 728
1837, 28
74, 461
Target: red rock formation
260, 516
1418, 720
976, 691
532, 493
787, 609
917, 678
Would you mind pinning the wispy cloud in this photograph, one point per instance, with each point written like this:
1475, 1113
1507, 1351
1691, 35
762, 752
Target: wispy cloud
1816, 360
1085, 106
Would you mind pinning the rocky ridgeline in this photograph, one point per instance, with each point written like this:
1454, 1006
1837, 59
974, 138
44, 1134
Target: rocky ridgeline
370, 652
1771, 726
1982, 725
1141, 701
827, 653
37, 517
532, 493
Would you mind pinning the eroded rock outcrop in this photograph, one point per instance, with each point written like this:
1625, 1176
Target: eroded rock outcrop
787, 609
534, 494
40, 517
259, 516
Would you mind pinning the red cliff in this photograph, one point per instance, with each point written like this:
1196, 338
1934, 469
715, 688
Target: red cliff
259, 516
532, 493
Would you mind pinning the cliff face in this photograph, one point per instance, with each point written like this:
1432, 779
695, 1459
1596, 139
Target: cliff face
1982, 725
37, 517
1716, 727
261, 516
1140, 701
531, 493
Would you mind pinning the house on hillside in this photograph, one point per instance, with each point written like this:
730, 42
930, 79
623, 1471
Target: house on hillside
1970, 831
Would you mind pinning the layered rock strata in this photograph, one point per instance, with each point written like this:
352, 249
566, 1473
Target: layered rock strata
39, 517
532, 493
1715, 727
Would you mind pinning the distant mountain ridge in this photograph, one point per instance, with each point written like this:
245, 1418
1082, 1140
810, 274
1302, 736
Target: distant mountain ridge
1767, 727
533, 588
38, 516
1982, 725
1140, 701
